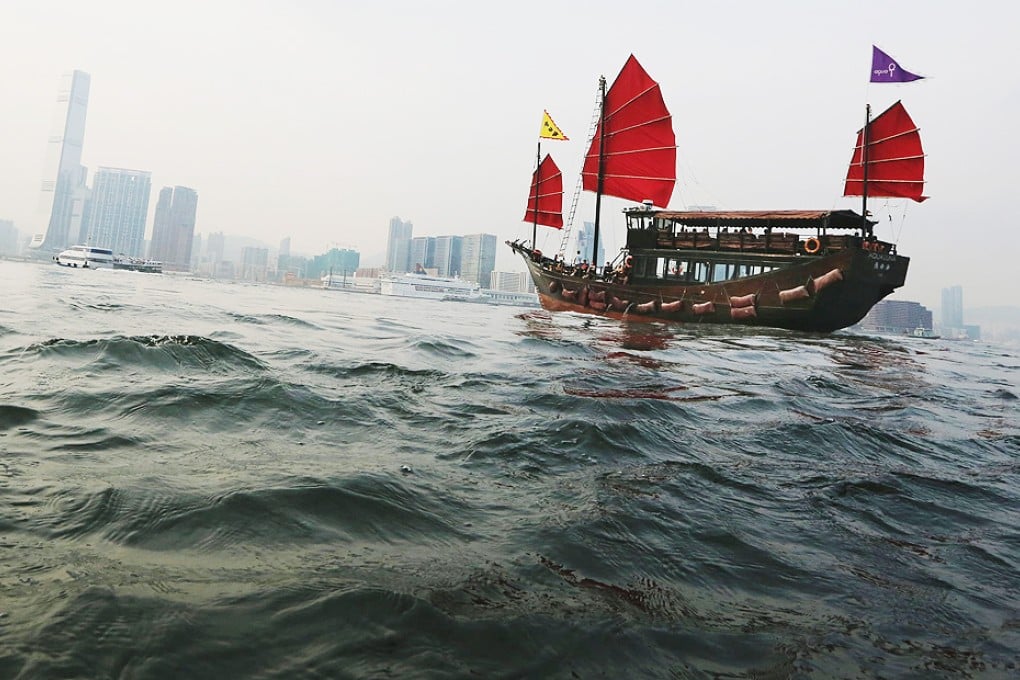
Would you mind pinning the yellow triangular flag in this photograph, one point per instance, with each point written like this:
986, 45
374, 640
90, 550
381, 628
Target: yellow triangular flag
549, 129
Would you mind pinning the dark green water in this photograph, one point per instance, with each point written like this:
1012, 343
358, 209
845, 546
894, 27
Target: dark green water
200, 479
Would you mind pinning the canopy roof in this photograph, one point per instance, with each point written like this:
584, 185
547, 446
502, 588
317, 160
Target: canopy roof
777, 219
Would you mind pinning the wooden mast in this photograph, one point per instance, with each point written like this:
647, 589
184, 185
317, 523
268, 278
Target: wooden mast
602, 169
538, 183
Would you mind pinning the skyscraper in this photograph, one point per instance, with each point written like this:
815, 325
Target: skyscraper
173, 227
423, 250
215, 247
64, 179
952, 307
254, 263
398, 247
447, 255
119, 204
585, 237
478, 258
8, 238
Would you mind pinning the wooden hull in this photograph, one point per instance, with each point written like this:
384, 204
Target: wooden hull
820, 294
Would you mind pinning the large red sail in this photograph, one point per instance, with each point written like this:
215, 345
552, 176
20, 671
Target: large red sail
640, 145
546, 195
895, 158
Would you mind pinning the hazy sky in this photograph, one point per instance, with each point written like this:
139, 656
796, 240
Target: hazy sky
321, 120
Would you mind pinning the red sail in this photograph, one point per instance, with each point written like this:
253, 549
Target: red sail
546, 195
895, 158
640, 145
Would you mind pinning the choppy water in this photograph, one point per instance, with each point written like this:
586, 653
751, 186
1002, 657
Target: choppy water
200, 479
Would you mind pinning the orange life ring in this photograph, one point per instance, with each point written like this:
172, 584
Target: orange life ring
812, 246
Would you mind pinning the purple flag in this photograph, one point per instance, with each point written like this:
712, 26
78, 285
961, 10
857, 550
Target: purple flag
884, 69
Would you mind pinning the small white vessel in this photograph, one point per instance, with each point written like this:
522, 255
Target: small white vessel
85, 257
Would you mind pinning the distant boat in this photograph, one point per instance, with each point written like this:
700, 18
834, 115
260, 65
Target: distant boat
427, 286
809, 270
921, 332
85, 257
89, 257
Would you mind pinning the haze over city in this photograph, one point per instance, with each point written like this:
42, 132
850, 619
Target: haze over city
320, 121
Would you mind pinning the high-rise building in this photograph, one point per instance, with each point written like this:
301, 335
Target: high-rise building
585, 238
341, 262
447, 255
196, 251
478, 258
64, 179
117, 211
398, 246
173, 228
8, 238
215, 247
423, 249
952, 307
254, 263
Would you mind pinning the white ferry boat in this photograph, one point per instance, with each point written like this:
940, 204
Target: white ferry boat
88, 257
429, 287
85, 257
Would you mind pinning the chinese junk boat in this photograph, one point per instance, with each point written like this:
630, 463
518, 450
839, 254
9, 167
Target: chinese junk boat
807, 270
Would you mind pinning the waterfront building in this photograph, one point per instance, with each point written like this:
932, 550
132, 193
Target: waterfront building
446, 257
215, 247
8, 238
342, 262
254, 264
952, 308
173, 228
398, 246
897, 316
63, 185
423, 249
117, 211
196, 251
478, 258
512, 282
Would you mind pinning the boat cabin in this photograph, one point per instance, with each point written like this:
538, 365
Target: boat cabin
709, 247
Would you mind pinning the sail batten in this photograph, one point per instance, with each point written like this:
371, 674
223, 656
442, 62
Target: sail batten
545, 200
895, 158
635, 141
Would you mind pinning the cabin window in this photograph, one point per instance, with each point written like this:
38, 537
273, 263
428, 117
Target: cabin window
661, 265
677, 269
698, 272
721, 272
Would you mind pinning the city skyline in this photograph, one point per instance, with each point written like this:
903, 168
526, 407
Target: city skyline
267, 134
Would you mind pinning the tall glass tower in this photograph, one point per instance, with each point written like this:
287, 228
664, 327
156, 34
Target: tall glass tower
952, 307
398, 247
173, 228
64, 179
119, 205
478, 257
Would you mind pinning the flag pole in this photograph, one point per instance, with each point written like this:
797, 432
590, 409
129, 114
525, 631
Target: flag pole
865, 228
